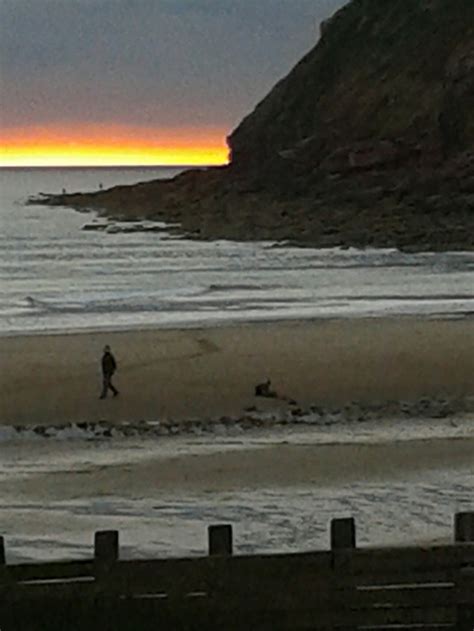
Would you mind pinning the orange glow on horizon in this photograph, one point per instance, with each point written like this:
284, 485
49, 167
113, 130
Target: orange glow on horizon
112, 145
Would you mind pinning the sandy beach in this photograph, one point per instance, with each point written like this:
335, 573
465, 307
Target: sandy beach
403, 478
209, 373
227, 466
280, 491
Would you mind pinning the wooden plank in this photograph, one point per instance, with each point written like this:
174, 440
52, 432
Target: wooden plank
128, 577
223, 574
249, 617
199, 615
310, 617
343, 599
288, 599
119, 615
465, 619
202, 572
410, 597
243, 580
44, 616
465, 610
425, 627
406, 564
44, 571
393, 580
268, 592
75, 590
466, 574
286, 596
366, 560
405, 560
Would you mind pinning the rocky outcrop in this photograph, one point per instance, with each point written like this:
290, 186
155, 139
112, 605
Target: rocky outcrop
353, 413
399, 71
369, 141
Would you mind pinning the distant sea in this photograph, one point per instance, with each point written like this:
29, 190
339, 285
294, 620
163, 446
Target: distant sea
54, 276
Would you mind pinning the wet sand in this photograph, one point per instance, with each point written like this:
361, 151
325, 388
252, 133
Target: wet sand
230, 467
209, 373
162, 495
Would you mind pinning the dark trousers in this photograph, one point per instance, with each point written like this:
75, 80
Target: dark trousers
108, 385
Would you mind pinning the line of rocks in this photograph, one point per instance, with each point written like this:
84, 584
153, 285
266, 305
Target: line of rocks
424, 408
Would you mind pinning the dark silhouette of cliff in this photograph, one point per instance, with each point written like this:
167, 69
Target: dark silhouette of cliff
397, 71
368, 141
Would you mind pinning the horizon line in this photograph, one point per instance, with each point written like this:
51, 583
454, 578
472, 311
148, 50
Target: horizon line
111, 166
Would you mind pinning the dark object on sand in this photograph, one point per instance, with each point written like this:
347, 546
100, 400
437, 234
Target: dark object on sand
109, 366
264, 390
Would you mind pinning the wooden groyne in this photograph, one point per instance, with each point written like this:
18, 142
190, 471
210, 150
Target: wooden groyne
345, 587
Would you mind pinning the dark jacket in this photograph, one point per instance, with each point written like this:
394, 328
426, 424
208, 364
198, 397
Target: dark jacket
108, 364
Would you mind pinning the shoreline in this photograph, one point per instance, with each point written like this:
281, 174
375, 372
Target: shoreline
228, 468
203, 326
266, 216
208, 373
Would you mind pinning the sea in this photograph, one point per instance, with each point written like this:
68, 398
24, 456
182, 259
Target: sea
57, 277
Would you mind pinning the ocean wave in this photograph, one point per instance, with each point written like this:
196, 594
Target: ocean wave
148, 284
40, 305
198, 299
165, 300
217, 287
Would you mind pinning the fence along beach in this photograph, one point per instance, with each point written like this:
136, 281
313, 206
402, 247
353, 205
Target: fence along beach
344, 588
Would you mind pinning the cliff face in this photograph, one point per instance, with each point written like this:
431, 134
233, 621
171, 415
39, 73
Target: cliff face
399, 71
369, 141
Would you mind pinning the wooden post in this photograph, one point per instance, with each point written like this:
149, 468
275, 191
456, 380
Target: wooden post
464, 528
220, 539
343, 534
465, 610
343, 544
106, 547
464, 533
106, 553
2, 551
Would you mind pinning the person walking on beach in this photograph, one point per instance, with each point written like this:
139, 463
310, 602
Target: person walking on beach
109, 366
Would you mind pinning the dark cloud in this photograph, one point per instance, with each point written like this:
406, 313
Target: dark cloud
148, 62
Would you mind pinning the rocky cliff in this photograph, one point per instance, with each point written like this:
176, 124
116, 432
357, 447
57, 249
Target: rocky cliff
393, 77
368, 141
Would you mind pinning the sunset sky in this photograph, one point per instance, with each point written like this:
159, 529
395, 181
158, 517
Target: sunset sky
135, 82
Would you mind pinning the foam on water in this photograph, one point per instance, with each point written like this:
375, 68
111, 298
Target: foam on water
56, 276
